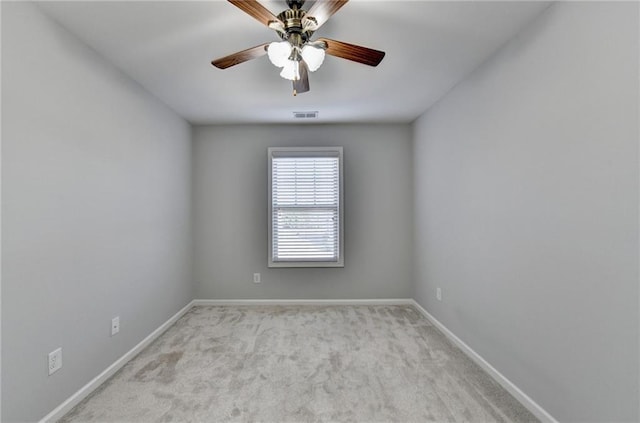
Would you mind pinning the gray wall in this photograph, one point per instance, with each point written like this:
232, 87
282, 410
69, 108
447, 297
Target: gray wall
230, 212
95, 218
526, 195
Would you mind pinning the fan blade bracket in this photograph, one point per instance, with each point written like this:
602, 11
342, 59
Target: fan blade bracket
277, 26
320, 43
322, 10
309, 24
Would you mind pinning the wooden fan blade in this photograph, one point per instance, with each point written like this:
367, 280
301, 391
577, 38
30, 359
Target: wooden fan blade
240, 57
353, 52
322, 10
302, 84
256, 10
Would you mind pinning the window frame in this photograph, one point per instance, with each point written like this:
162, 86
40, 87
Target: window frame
307, 152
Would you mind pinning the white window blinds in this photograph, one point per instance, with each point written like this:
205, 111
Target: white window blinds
305, 207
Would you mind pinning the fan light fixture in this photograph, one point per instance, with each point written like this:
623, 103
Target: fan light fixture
313, 56
291, 70
283, 55
279, 53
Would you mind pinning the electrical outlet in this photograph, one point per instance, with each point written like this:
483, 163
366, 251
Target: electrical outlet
256, 278
439, 294
55, 361
115, 325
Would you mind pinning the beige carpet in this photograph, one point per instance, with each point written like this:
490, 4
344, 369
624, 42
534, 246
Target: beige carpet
301, 364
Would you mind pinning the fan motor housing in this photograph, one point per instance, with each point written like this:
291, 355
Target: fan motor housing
292, 20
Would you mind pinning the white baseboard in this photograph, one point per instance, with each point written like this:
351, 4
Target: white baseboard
83, 392
509, 386
374, 301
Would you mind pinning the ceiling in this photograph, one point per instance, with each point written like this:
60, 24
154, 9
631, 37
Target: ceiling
167, 47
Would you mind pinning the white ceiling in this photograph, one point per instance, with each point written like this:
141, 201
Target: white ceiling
167, 47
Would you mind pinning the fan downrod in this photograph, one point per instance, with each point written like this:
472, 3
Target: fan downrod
295, 4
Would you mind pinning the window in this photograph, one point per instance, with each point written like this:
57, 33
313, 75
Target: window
306, 207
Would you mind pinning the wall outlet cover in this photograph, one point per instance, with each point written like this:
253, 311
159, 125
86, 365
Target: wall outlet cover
55, 361
115, 325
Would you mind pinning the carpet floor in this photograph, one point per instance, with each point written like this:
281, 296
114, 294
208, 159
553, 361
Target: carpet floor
301, 364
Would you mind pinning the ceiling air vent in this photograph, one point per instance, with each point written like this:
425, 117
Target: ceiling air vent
305, 115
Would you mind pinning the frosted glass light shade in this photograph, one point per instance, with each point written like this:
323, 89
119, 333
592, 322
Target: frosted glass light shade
313, 57
291, 70
279, 53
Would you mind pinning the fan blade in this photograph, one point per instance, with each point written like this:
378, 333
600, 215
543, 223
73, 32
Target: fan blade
302, 84
240, 57
256, 10
353, 52
322, 10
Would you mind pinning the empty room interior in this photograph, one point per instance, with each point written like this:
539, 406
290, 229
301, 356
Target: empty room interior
320, 211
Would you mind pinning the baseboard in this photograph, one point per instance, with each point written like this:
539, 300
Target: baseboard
509, 386
83, 392
87, 389
374, 301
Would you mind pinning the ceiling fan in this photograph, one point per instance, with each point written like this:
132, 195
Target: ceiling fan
296, 54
